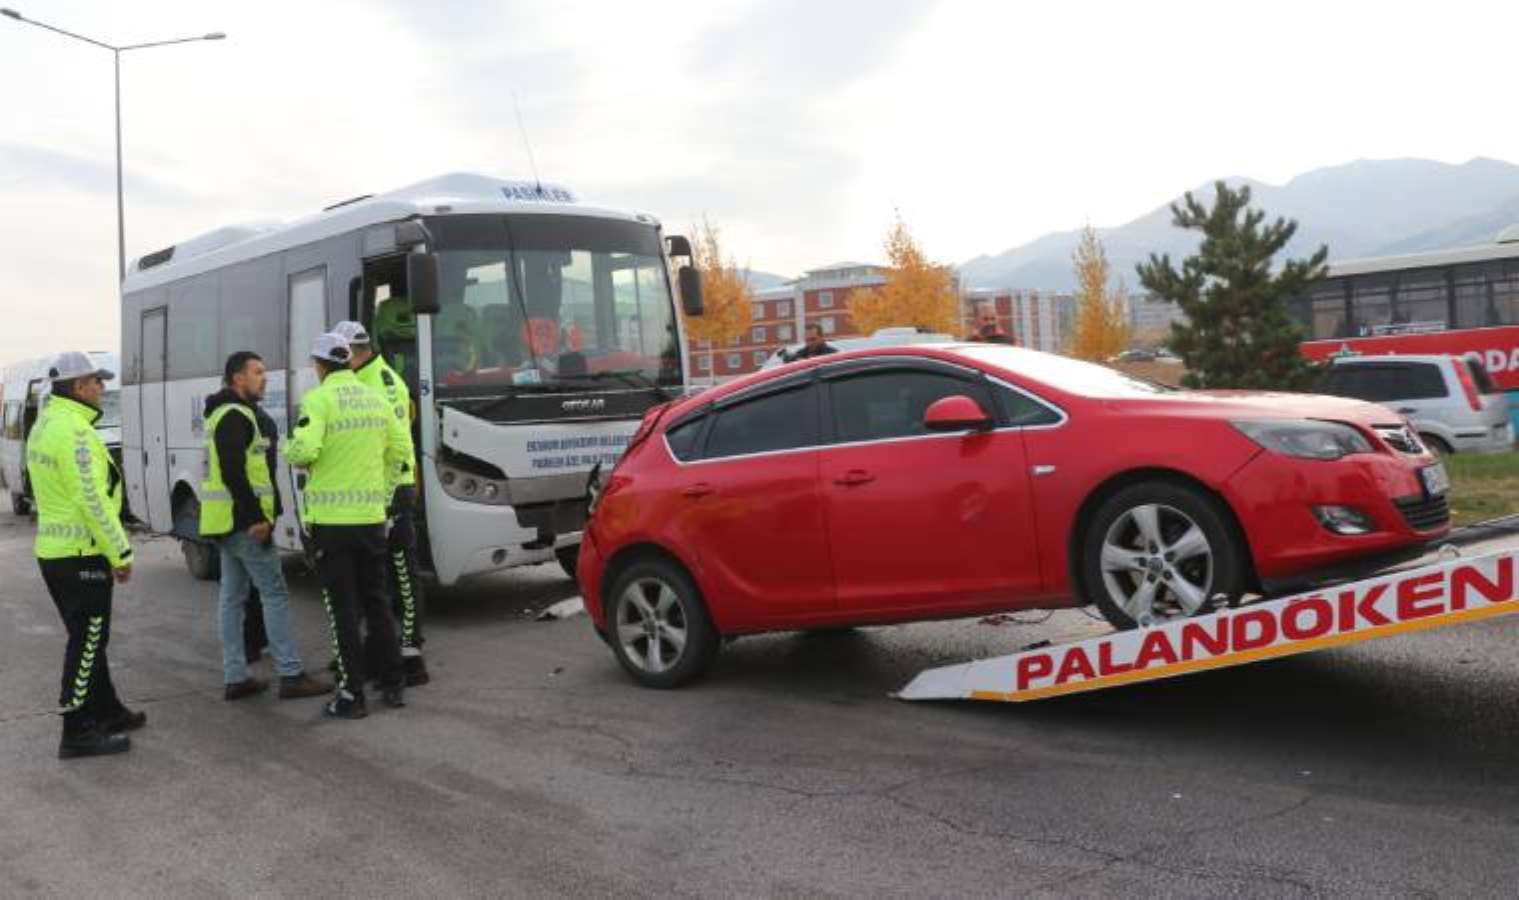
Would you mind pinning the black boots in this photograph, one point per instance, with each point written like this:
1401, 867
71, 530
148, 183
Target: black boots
92, 742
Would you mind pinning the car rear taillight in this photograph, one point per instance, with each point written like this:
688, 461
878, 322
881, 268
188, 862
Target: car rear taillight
1467, 384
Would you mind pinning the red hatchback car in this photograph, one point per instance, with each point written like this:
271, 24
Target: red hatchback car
940, 481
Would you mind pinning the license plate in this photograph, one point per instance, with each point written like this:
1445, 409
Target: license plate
1436, 481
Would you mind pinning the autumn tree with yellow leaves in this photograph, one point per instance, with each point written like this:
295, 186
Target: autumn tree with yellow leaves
728, 301
1102, 323
917, 292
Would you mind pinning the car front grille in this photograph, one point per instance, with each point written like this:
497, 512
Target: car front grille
1400, 439
1424, 513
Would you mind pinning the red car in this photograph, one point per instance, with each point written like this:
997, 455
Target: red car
941, 481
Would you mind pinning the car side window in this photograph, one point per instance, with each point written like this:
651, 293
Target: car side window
1022, 411
874, 406
682, 438
1416, 381
781, 421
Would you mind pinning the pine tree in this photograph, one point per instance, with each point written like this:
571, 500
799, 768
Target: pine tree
1237, 333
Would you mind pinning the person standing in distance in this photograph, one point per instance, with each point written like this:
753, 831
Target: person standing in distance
988, 328
350, 442
82, 550
405, 588
815, 345
239, 504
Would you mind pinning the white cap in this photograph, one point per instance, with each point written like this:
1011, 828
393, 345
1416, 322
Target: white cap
73, 364
352, 332
331, 348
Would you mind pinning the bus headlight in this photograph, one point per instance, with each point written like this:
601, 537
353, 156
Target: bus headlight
468, 486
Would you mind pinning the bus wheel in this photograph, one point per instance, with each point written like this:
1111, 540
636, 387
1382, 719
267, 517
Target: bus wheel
19, 504
203, 560
569, 558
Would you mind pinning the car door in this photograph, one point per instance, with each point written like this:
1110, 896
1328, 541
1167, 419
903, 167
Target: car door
918, 520
750, 503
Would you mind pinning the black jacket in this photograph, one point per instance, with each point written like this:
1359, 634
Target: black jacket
807, 351
233, 435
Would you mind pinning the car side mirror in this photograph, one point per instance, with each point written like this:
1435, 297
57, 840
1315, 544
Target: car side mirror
956, 413
422, 282
690, 290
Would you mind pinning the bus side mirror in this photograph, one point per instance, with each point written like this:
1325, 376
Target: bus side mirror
678, 245
690, 290
422, 282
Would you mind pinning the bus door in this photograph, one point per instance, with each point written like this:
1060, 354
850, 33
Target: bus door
151, 493
307, 318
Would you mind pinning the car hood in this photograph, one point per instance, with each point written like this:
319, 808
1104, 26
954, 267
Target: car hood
1231, 405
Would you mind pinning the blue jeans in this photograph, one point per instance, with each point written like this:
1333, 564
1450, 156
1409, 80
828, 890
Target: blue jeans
245, 560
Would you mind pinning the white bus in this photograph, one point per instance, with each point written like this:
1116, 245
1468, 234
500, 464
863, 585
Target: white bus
544, 329
22, 393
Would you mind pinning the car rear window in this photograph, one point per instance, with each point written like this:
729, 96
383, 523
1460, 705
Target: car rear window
682, 438
1480, 378
1417, 381
1385, 382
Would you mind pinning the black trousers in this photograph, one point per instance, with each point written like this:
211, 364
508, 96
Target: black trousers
350, 560
406, 598
81, 589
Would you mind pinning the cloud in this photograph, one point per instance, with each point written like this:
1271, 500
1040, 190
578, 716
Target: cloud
34, 168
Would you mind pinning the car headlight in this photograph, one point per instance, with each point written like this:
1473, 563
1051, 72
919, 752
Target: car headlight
1305, 438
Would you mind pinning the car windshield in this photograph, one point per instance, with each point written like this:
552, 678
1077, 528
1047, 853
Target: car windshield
1065, 374
551, 302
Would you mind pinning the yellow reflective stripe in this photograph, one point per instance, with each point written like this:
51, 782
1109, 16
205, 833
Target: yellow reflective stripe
94, 506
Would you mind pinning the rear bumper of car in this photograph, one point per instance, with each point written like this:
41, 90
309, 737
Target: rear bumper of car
1275, 496
1497, 439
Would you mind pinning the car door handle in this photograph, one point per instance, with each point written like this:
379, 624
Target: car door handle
1407, 411
854, 477
700, 489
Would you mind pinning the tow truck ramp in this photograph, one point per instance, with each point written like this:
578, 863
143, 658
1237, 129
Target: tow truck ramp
1418, 599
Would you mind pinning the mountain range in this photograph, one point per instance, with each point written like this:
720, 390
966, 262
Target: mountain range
1360, 209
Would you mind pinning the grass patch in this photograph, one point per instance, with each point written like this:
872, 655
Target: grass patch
1483, 487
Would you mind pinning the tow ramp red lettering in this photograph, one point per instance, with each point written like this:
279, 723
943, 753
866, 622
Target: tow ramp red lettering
1428, 597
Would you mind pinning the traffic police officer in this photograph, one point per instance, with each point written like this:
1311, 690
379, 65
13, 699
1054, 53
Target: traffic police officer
350, 442
405, 588
82, 549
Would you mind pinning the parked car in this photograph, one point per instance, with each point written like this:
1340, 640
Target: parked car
882, 337
1450, 400
1136, 355
949, 480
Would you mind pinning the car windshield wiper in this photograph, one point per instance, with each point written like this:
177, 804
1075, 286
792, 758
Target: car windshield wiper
631, 377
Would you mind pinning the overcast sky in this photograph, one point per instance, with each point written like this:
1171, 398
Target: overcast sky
796, 125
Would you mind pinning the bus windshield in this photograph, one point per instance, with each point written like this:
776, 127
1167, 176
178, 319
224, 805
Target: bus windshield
110, 410
545, 302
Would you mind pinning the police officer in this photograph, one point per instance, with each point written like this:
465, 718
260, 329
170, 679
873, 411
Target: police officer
350, 442
82, 549
239, 504
405, 588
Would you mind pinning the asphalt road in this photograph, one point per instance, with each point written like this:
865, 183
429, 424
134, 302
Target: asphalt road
532, 766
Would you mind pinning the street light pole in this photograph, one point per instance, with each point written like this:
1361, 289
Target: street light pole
121, 219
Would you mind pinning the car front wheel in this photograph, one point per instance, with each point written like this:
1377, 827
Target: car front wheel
1159, 551
659, 628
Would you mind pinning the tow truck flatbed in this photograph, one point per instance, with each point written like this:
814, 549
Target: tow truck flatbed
1438, 590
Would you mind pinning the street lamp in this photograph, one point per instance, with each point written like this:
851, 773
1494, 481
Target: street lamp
121, 225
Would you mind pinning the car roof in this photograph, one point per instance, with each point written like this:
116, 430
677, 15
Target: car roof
1394, 358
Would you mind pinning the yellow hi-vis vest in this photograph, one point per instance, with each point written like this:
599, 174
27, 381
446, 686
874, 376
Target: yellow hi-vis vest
77, 487
352, 444
216, 506
377, 374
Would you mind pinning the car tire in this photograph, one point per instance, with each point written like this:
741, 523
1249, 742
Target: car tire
20, 505
569, 558
1437, 444
658, 625
202, 559
1158, 551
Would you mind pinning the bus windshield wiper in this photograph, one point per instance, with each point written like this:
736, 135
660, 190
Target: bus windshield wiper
630, 377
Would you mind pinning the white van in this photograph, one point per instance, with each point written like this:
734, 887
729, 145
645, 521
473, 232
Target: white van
883, 337
1450, 400
22, 394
